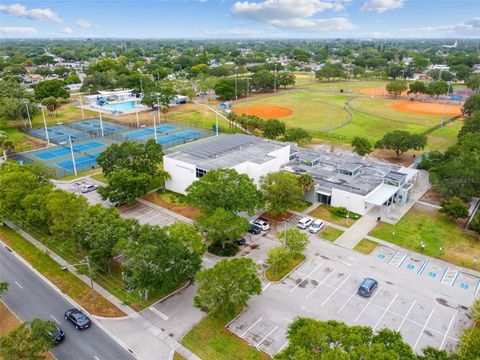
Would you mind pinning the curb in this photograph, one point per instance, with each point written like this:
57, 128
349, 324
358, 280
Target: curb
286, 275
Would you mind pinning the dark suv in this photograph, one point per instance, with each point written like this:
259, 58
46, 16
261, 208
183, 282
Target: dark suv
367, 287
254, 229
57, 335
78, 318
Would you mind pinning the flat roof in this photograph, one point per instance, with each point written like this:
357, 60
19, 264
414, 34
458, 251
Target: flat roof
381, 194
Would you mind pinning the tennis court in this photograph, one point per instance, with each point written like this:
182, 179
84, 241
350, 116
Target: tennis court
149, 132
179, 137
57, 134
59, 152
94, 126
82, 162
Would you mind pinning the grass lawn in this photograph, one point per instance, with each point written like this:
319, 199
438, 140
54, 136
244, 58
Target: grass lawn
64, 280
366, 246
209, 339
330, 234
271, 275
444, 137
177, 356
306, 81
437, 231
96, 172
302, 206
8, 320
100, 177
174, 202
327, 212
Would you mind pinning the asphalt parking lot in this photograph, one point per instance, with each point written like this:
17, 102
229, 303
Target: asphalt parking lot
324, 287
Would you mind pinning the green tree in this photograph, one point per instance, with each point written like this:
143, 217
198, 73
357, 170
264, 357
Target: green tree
28, 341
51, 88
273, 128
470, 125
437, 88
278, 258
294, 240
454, 208
262, 81
285, 79
331, 71
6, 144
52, 104
362, 146
298, 135
358, 71
302, 55
305, 181
417, 87
43, 71
469, 345
473, 82
226, 189
401, 141
72, 78
281, 191
125, 186
3, 288
199, 69
472, 104
396, 87
475, 311
228, 285
225, 88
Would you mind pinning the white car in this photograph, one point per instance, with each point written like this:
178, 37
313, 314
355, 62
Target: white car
305, 222
316, 226
88, 187
261, 224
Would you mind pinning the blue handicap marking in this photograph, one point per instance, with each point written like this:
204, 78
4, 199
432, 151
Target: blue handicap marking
410, 266
432, 274
464, 286
381, 256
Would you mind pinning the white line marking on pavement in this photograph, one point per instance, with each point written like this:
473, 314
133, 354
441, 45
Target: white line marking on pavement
446, 333
251, 327
266, 286
423, 329
335, 290
158, 312
283, 346
96, 357
388, 307
346, 302
368, 303
266, 336
311, 272
304, 308
20, 286
346, 263
53, 317
406, 315
320, 283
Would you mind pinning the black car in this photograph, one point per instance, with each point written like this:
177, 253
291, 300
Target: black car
367, 287
78, 318
253, 229
241, 241
57, 335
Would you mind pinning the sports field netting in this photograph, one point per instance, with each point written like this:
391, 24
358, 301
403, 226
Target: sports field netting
81, 162
149, 132
59, 152
94, 126
58, 134
179, 137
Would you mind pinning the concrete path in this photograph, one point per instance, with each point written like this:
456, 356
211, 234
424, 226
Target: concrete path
360, 229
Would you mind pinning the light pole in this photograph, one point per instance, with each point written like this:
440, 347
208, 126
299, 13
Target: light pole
73, 156
45, 125
28, 114
248, 90
236, 82
275, 80
86, 261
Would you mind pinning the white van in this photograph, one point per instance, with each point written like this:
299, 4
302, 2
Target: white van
305, 223
316, 226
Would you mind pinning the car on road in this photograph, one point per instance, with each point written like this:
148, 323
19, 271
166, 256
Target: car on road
262, 224
316, 226
253, 229
367, 287
78, 318
241, 241
57, 335
88, 188
304, 223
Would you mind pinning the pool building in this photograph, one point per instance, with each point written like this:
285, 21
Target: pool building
118, 102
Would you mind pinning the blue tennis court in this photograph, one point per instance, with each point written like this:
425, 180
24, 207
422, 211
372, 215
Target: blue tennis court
179, 137
64, 151
57, 134
94, 125
80, 162
149, 132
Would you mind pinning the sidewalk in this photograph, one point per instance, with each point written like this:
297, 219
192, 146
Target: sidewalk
355, 233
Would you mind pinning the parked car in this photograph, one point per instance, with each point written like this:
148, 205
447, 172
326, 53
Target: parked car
367, 287
241, 241
112, 203
316, 226
262, 224
57, 335
254, 229
78, 318
88, 188
305, 222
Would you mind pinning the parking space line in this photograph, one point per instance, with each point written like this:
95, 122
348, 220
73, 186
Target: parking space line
311, 272
335, 290
251, 327
319, 283
368, 303
266, 286
446, 333
282, 347
423, 329
346, 302
478, 288
388, 307
406, 315
53, 317
158, 312
422, 268
266, 336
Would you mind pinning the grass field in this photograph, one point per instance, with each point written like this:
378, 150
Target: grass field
327, 212
444, 137
437, 231
273, 275
330, 234
365, 246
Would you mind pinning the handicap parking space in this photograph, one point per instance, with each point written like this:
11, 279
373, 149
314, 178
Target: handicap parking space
413, 263
384, 253
433, 271
467, 284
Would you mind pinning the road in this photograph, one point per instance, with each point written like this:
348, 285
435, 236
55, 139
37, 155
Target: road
30, 297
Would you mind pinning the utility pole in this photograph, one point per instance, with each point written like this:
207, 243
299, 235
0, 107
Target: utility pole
45, 124
28, 115
73, 157
275, 80
236, 82
90, 275
81, 107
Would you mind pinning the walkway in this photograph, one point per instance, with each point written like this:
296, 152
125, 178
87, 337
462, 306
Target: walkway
359, 230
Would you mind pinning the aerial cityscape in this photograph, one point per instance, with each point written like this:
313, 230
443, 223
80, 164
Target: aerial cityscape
240, 180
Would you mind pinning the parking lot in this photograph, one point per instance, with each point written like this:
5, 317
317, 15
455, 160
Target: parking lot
149, 215
324, 287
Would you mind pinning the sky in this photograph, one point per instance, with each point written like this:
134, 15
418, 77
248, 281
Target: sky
241, 19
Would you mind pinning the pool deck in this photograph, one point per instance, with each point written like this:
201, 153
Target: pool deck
103, 110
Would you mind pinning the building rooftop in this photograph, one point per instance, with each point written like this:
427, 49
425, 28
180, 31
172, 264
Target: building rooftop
227, 151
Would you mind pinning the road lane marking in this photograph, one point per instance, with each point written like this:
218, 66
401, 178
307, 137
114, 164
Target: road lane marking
446, 333
388, 307
423, 329
20, 286
346, 302
159, 313
266, 336
266, 286
406, 315
368, 303
251, 327
320, 283
335, 290
53, 317
311, 272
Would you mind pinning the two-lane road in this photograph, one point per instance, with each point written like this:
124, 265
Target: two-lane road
30, 297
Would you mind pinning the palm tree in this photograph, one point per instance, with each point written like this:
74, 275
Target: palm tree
6, 144
305, 181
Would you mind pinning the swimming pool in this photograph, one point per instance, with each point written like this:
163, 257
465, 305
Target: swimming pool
123, 106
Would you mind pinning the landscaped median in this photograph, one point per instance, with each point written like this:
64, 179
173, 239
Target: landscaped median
64, 280
336, 215
274, 273
330, 234
366, 246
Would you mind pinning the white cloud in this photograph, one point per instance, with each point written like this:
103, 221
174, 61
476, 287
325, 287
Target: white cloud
82, 23
34, 14
381, 6
18, 30
67, 30
464, 28
294, 14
